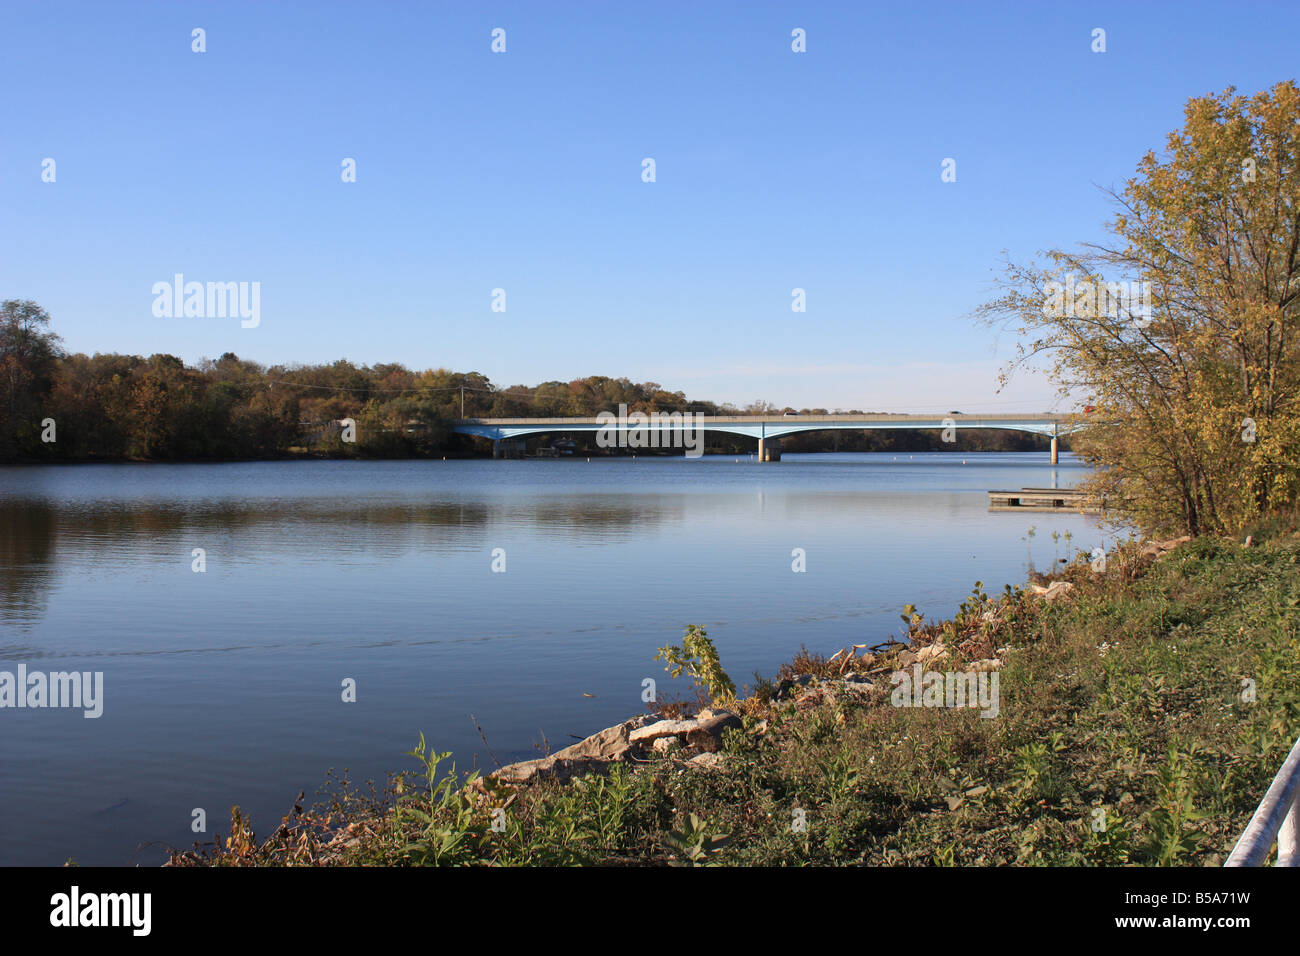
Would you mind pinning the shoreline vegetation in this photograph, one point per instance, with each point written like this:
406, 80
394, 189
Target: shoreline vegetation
1144, 702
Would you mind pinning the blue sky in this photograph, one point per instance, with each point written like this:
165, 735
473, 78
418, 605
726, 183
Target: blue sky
522, 171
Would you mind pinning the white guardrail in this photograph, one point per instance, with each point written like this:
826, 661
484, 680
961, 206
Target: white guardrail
1278, 816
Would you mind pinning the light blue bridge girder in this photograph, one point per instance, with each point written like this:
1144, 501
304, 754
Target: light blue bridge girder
758, 426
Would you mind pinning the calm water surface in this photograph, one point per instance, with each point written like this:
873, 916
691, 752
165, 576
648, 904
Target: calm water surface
225, 687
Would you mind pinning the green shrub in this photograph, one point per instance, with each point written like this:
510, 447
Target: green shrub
699, 658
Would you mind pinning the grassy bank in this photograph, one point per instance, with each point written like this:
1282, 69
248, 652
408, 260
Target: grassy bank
1141, 718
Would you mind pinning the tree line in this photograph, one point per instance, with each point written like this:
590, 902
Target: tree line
64, 406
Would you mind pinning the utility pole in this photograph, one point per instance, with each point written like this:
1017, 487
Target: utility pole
462, 401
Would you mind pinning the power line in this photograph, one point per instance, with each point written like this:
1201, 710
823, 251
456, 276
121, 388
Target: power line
411, 388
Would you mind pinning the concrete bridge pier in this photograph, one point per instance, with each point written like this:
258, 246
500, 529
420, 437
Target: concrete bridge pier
1056, 457
769, 449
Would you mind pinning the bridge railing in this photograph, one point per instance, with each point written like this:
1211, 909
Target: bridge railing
1277, 818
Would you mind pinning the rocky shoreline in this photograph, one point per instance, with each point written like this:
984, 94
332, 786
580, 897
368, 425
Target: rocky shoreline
862, 679
819, 765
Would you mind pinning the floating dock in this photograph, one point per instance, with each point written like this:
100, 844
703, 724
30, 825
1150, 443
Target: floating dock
1045, 499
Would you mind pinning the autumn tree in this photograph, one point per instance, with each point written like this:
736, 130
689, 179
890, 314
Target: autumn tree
1182, 330
28, 355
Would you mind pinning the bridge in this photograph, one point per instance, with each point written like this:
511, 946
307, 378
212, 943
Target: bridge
766, 428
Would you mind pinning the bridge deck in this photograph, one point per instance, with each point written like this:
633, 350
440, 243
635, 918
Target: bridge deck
1045, 417
766, 426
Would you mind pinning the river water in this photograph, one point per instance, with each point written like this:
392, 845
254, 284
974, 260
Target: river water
226, 686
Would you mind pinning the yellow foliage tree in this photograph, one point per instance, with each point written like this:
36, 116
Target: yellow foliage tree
1182, 332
